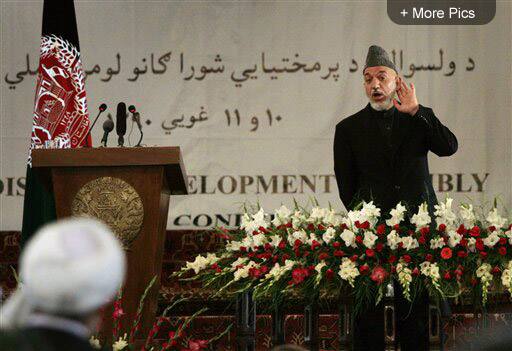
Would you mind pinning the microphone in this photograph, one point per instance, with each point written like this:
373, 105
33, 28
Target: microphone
136, 119
102, 109
108, 126
121, 123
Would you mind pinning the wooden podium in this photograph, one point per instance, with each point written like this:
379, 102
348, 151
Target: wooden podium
129, 189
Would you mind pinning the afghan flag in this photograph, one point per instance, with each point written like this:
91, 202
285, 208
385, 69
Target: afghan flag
60, 108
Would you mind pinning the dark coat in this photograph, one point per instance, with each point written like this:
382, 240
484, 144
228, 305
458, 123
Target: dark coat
42, 339
368, 168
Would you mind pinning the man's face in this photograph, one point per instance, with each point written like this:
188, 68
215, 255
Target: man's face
380, 84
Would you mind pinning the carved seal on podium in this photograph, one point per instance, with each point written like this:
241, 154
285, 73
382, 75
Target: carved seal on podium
113, 201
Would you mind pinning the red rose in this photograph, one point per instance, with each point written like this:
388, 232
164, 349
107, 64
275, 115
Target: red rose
475, 231
429, 257
289, 225
282, 245
393, 269
379, 275
406, 258
343, 226
502, 250
299, 274
314, 245
359, 239
263, 230
364, 269
311, 226
370, 253
321, 227
397, 227
483, 255
243, 249
495, 270
425, 230
381, 229
422, 240
442, 227
336, 244
268, 247
392, 259
463, 242
462, 253
474, 281
415, 272
447, 276
491, 228
354, 258
446, 253
479, 244
339, 253
365, 225
323, 256
329, 274
379, 247
503, 241
461, 230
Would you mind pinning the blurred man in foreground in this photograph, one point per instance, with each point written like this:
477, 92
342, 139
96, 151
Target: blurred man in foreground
69, 271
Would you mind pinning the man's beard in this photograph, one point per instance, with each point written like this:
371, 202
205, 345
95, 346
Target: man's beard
382, 105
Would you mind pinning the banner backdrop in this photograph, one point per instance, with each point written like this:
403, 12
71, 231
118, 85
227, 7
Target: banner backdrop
252, 91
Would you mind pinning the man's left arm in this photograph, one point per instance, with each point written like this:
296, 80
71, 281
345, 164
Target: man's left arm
441, 140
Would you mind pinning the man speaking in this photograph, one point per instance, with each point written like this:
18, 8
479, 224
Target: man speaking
380, 155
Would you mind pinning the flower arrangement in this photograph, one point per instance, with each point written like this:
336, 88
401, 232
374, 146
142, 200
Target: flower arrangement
361, 252
176, 339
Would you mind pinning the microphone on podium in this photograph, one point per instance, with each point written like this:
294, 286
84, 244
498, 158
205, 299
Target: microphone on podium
108, 126
121, 123
101, 109
136, 119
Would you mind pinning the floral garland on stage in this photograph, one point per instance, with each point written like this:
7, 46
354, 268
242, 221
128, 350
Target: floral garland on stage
362, 252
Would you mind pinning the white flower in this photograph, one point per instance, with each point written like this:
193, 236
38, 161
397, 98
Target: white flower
472, 244
348, 271
484, 273
95, 343
319, 267
120, 344
239, 261
317, 214
405, 279
370, 213
454, 238
437, 243
298, 219
369, 239
421, 218
277, 271
329, 234
332, 218
430, 270
397, 215
393, 239
467, 215
506, 277
494, 219
491, 240
349, 238
243, 272
409, 243
282, 216
259, 240
298, 235
254, 222
275, 240
313, 237
444, 213
508, 234
198, 264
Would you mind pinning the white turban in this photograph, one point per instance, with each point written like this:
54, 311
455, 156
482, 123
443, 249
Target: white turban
70, 267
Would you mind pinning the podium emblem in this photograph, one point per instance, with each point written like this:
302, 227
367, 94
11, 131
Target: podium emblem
113, 201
